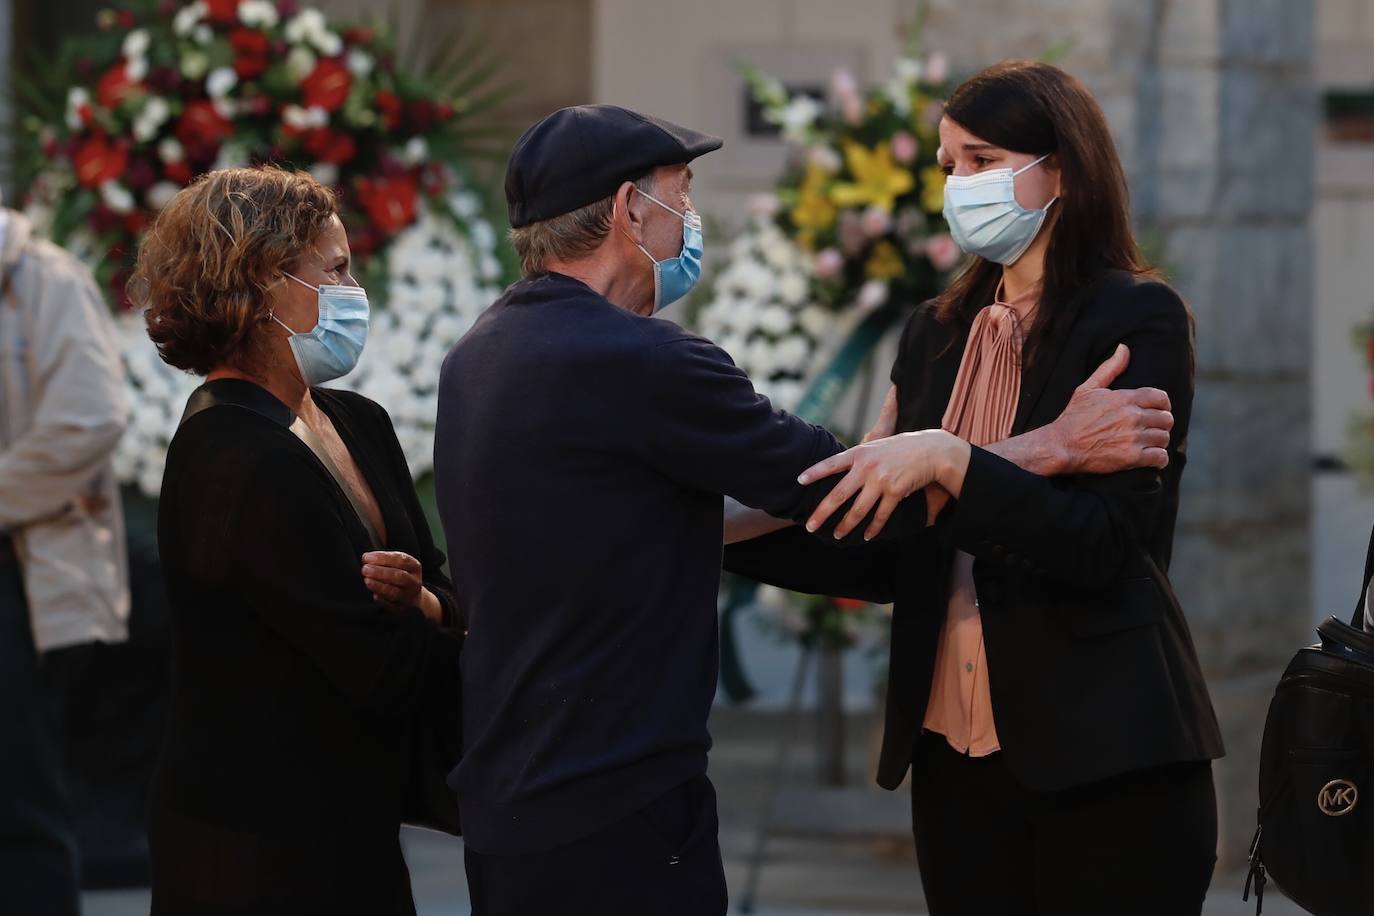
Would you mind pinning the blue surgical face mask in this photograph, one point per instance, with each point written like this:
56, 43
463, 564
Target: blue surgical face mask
675, 277
984, 216
331, 349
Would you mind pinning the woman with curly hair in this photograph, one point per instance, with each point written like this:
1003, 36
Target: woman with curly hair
314, 634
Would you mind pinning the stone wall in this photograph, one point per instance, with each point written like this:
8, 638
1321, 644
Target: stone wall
1222, 172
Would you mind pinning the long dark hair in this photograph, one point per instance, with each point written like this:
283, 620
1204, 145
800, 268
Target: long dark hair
1031, 107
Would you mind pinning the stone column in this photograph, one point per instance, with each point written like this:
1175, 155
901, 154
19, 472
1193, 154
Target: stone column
1221, 167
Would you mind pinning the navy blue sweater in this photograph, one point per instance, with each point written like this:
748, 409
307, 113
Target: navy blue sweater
580, 458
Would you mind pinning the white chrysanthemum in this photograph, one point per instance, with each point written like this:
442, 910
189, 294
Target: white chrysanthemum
188, 17
150, 119
135, 44
415, 151
300, 60
260, 14
761, 312
117, 197
305, 25
359, 62
326, 173
220, 81
304, 118
76, 99
194, 64
171, 150
160, 194
328, 43
231, 156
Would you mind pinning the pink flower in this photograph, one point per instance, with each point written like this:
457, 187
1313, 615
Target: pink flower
937, 68
905, 147
872, 295
828, 264
844, 91
763, 205
943, 252
876, 222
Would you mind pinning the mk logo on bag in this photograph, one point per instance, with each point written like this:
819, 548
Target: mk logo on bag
1338, 797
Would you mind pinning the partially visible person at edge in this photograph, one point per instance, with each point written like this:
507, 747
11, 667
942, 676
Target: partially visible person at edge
581, 454
63, 573
1043, 690
313, 629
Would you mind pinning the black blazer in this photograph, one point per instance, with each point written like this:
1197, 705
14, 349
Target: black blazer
1090, 661
295, 697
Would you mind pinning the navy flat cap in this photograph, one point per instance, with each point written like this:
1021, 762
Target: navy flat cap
577, 156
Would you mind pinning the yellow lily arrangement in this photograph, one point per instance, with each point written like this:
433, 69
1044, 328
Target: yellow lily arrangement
814, 212
878, 179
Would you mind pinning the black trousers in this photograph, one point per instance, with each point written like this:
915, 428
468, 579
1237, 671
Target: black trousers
662, 860
1144, 843
39, 868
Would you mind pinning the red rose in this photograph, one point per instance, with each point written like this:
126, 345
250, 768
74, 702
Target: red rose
250, 52
389, 202
98, 160
849, 604
330, 146
102, 219
444, 111
422, 113
202, 125
115, 86
327, 85
179, 171
135, 221
140, 175
390, 107
224, 11
358, 35
126, 19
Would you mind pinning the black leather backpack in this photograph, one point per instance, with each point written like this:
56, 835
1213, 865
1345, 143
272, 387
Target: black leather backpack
1315, 838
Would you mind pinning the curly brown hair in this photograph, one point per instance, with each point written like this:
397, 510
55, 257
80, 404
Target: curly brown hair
205, 265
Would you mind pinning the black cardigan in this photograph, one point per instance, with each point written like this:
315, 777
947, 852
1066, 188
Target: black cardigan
580, 456
295, 695
1091, 664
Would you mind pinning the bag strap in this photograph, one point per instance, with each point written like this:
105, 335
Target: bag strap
1358, 620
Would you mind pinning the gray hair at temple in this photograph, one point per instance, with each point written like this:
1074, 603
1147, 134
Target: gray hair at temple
567, 236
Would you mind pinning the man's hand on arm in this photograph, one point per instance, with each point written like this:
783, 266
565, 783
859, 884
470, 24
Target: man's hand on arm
1101, 431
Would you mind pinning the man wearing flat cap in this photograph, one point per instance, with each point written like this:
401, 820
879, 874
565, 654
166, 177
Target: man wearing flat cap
581, 455
582, 451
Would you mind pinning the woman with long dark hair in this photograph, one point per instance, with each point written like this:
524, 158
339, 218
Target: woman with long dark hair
1043, 689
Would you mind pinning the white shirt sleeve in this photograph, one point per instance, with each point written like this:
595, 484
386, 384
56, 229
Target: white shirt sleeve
1368, 610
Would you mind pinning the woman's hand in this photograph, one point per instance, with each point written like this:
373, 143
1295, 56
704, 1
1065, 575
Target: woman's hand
883, 473
396, 580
